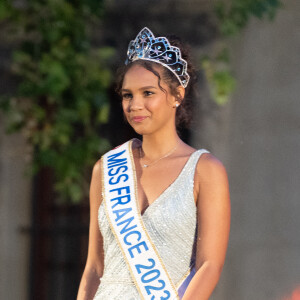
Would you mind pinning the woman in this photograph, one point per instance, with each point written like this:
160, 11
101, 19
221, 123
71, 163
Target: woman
162, 206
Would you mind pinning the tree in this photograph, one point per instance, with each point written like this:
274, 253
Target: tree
61, 101
232, 17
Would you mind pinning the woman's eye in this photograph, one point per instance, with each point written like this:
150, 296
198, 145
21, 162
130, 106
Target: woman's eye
148, 93
126, 96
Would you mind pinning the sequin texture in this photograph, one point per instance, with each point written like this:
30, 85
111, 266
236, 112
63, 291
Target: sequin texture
171, 224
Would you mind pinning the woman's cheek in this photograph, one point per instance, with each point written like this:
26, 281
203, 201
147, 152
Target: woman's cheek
153, 105
125, 108
125, 111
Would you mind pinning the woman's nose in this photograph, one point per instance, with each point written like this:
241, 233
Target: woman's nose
136, 103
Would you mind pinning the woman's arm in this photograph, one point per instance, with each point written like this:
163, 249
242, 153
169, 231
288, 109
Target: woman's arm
213, 212
94, 264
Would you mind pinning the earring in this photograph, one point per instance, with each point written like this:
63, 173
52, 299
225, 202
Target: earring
177, 104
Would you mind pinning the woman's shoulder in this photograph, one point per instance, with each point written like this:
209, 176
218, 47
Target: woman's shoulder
210, 176
209, 167
97, 168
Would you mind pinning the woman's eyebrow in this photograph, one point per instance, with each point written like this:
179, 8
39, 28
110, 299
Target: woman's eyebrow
148, 87
140, 89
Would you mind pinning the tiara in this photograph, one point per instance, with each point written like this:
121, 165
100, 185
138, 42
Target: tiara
147, 47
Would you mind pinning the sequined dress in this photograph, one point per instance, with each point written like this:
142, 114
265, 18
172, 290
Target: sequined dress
171, 224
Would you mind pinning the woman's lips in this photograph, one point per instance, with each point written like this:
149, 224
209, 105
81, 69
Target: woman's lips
138, 119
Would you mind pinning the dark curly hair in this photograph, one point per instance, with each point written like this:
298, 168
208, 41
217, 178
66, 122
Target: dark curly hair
183, 112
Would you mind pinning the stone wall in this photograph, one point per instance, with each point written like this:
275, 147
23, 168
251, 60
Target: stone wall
257, 136
15, 215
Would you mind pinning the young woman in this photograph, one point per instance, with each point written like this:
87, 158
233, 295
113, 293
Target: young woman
162, 207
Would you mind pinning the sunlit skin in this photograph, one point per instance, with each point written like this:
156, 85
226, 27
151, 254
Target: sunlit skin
151, 112
142, 97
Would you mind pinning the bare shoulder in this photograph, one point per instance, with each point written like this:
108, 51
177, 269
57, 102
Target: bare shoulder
96, 183
97, 168
210, 174
209, 165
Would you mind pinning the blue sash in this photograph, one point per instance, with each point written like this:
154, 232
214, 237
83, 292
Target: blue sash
122, 209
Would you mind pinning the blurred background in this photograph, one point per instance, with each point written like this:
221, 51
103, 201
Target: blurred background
59, 114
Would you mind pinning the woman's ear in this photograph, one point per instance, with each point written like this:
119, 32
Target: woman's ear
180, 92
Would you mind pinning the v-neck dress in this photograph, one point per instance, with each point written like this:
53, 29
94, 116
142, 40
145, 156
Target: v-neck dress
171, 222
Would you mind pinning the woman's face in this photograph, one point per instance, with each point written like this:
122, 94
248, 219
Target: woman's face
147, 108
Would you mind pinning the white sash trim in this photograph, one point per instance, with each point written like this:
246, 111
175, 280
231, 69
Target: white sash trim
122, 210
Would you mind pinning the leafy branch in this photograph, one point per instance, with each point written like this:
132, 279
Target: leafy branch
232, 17
61, 100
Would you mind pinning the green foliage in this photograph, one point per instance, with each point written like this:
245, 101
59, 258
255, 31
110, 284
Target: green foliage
217, 71
235, 14
232, 16
5, 9
61, 98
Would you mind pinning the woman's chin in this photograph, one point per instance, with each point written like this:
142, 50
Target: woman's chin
141, 130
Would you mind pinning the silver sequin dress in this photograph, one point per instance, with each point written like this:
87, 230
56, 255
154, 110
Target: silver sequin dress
171, 223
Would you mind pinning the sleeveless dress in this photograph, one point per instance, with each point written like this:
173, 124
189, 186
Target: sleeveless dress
171, 222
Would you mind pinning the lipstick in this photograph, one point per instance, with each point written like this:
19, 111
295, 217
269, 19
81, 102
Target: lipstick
138, 119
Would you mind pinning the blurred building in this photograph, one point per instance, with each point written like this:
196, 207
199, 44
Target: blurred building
257, 136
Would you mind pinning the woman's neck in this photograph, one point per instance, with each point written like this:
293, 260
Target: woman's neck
157, 145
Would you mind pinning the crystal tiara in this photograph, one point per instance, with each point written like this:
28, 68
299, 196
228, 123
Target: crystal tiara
147, 47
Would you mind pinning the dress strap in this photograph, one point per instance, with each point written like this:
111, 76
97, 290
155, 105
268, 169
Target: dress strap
192, 163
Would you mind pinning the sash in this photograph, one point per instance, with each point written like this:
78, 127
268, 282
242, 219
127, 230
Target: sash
122, 210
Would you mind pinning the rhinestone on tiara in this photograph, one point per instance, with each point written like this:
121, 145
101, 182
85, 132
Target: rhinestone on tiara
158, 49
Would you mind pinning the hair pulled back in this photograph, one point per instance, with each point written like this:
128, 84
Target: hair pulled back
184, 110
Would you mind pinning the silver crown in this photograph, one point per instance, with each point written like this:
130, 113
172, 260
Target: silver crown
147, 47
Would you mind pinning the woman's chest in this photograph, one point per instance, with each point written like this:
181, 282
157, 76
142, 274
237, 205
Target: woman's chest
153, 182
